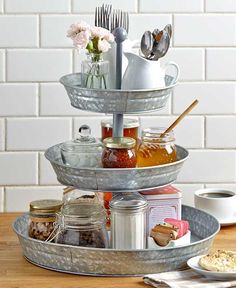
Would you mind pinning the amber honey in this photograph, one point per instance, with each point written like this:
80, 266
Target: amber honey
155, 150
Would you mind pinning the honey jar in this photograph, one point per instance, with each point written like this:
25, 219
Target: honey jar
130, 128
119, 152
156, 148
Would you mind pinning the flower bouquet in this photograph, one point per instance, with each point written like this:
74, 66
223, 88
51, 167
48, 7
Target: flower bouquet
96, 40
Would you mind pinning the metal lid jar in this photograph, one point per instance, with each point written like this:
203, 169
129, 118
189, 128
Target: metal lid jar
42, 218
128, 221
82, 224
119, 153
156, 147
130, 127
84, 151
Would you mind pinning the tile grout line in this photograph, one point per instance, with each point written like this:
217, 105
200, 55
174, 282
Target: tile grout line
38, 100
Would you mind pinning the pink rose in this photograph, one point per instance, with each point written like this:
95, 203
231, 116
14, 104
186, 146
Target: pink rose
81, 40
77, 28
102, 33
103, 45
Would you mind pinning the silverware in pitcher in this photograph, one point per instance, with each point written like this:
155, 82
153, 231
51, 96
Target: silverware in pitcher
156, 44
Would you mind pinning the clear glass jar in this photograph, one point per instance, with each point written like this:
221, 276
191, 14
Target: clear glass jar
156, 148
129, 221
72, 196
95, 72
131, 128
82, 224
85, 151
119, 153
42, 218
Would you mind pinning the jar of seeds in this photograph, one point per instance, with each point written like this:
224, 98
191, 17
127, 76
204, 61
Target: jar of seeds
82, 224
42, 218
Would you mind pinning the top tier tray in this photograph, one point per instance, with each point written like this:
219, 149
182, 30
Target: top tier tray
114, 100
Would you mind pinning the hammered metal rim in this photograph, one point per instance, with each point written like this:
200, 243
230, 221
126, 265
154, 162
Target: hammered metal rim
113, 262
126, 250
63, 81
116, 169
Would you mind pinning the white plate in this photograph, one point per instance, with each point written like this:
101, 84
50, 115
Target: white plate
229, 221
193, 263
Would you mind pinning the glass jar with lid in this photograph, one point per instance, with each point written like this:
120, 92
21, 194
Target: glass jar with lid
42, 217
82, 224
129, 221
119, 152
130, 127
156, 148
85, 151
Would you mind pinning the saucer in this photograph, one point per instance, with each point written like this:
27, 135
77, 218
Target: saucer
193, 263
228, 221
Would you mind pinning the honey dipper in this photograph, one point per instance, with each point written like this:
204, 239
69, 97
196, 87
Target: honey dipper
146, 152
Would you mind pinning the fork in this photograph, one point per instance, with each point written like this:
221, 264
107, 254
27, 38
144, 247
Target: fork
119, 18
102, 16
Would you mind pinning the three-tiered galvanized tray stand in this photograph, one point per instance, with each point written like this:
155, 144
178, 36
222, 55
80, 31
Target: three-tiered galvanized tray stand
112, 262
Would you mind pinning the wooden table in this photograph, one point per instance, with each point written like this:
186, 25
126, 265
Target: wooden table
16, 272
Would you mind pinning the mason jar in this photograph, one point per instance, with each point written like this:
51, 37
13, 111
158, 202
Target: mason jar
95, 72
119, 152
82, 224
42, 218
156, 148
130, 127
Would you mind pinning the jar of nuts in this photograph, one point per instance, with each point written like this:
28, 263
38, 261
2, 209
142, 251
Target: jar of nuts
42, 218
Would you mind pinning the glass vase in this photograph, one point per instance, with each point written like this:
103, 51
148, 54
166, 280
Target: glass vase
95, 72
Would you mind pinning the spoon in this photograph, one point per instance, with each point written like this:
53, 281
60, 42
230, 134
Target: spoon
147, 44
168, 29
181, 116
146, 152
161, 47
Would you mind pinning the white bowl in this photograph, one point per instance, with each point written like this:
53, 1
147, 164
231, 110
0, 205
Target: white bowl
216, 201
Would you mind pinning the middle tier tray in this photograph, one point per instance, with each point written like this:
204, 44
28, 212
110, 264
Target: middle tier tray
114, 100
115, 180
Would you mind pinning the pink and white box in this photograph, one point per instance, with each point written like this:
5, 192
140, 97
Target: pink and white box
163, 203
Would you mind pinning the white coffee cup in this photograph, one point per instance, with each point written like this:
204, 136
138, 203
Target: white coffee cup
218, 202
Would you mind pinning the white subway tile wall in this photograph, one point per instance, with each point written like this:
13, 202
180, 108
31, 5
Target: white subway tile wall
35, 111
2, 134
37, 6
28, 194
2, 65
13, 99
220, 6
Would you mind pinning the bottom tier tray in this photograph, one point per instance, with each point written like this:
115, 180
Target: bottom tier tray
111, 262
116, 180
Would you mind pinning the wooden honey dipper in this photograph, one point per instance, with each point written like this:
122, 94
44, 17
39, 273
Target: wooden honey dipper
146, 152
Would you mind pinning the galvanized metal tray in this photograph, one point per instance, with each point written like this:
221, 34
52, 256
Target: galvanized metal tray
111, 262
114, 100
115, 180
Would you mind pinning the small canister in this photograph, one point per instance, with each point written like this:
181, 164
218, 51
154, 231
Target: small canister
129, 221
42, 218
119, 152
84, 151
130, 127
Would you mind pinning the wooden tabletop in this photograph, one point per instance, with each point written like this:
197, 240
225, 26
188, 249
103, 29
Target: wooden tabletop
16, 272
